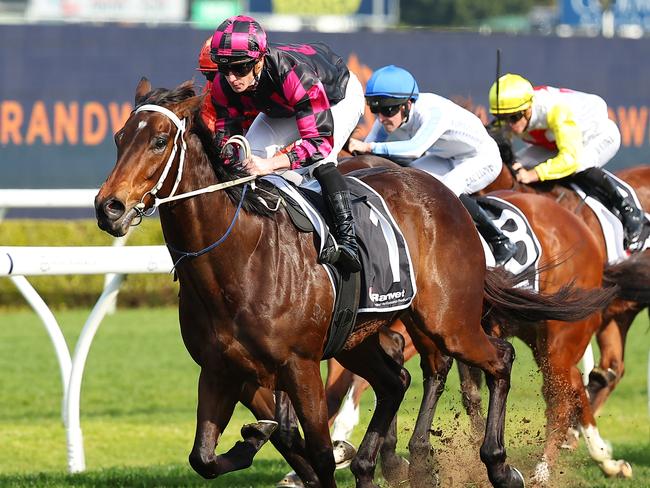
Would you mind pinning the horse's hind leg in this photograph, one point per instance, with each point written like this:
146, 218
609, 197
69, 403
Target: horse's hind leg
493, 452
566, 398
467, 342
470, 390
389, 381
217, 398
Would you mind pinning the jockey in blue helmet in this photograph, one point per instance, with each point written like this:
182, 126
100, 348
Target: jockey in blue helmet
431, 133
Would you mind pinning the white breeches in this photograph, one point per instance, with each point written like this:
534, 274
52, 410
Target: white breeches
268, 135
599, 146
467, 175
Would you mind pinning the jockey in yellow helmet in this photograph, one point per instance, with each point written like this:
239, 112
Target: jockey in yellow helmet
567, 132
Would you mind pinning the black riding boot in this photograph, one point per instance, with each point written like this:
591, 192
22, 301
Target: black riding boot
602, 182
337, 198
502, 247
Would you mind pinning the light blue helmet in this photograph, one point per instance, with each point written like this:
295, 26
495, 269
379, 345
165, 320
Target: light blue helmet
391, 85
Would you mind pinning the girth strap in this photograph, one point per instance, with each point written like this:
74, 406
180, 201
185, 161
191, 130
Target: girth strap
348, 287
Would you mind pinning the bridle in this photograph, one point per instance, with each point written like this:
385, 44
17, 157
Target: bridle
180, 146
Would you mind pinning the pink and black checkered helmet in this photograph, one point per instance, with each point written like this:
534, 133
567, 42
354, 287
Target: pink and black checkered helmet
238, 38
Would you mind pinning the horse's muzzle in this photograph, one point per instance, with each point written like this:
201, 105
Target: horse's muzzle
110, 214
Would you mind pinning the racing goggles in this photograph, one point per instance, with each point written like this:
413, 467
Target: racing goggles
386, 110
512, 118
237, 69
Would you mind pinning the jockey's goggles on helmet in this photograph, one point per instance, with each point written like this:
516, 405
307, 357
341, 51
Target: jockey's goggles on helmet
512, 118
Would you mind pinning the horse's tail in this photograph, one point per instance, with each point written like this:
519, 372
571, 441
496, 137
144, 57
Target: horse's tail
632, 276
508, 303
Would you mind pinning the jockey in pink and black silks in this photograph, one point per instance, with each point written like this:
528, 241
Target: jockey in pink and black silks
300, 94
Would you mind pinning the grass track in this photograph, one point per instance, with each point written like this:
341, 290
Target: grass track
138, 411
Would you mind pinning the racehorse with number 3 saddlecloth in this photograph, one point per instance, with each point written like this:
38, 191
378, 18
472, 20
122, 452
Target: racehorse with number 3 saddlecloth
633, 276
557, 347
255, 305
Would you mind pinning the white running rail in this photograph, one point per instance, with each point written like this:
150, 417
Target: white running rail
17, 263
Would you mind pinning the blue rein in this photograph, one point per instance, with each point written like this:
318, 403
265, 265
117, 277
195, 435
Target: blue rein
196, 254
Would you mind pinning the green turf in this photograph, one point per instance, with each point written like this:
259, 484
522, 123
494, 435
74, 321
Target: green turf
138, 411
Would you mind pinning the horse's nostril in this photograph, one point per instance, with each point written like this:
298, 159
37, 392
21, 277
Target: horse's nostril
113, 208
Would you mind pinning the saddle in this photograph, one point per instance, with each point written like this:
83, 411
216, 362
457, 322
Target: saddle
386, 282
610, 219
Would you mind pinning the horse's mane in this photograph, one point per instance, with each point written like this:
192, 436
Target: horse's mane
211, 144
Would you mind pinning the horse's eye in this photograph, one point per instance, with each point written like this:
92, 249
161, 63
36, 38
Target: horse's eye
160, 143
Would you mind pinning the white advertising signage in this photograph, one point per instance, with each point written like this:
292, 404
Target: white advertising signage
109, 10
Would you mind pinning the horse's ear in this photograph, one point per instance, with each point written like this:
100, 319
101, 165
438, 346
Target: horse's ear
190, 105
144, 87
186, 108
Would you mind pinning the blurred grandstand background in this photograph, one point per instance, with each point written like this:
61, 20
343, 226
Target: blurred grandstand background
627, 18
68, 68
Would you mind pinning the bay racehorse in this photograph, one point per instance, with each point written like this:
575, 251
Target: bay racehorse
255, 305
557, 347
634, 277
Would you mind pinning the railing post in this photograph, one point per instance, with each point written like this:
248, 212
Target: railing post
76, 455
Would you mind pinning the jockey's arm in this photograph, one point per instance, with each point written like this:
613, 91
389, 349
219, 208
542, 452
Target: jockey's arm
568, 138
264, 166
313, 118
431, 126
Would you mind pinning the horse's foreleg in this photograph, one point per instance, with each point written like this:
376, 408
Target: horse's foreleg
337, 384
343, 390
393, 467
217, 399
286, 438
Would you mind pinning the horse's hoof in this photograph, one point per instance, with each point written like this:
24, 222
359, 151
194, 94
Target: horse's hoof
626, 470
395, 471
516, 478
291, 480
262, 429
620, 468
344, 453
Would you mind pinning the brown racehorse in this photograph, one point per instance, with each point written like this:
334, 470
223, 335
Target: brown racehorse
557, 347
254, 305
633, 277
